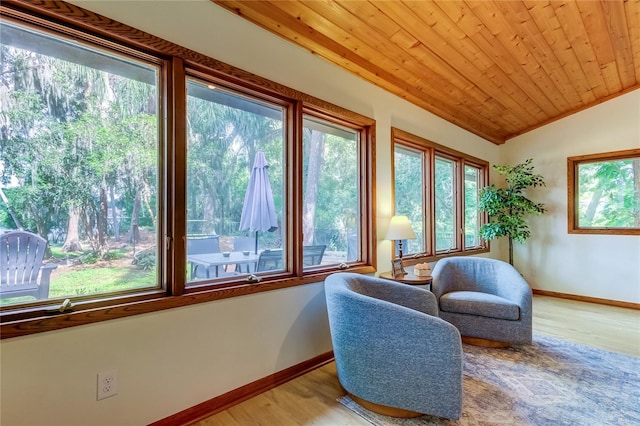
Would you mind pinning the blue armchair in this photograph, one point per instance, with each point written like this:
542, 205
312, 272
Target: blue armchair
393, 354
486, 299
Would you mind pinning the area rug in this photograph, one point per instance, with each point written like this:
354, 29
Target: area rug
551, 382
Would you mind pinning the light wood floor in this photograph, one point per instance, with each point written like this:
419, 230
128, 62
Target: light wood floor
311, 399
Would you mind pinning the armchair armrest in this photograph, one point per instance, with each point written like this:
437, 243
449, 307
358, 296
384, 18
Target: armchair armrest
45, 277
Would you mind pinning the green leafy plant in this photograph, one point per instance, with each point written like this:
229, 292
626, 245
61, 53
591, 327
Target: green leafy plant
508, 207
145, 260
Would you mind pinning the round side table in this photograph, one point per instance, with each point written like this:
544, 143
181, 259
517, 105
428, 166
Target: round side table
409, 278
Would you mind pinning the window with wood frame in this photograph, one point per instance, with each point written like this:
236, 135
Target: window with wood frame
159, 209
604, 193
438, 189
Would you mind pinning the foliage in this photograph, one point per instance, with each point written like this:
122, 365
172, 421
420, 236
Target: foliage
70, 134
145, 260
79, 152
88, 258
508, 207
609, 194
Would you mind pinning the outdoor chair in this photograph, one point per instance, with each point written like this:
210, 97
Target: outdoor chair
486, 299
312, 255
394, 355
244, 244
22, 271
270, 260
203, 245
352, 247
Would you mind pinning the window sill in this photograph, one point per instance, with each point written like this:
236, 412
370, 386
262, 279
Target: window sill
413, 260
14, 326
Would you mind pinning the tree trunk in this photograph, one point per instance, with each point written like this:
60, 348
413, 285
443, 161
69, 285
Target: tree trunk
13, 215
134, 231
103, 245
636, 192
114, 215
591, 208
145, 198
72, 240
510, 250
316, 148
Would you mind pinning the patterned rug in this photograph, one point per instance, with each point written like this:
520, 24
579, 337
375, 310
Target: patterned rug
551, 382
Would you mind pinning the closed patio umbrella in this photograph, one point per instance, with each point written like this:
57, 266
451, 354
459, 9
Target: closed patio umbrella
258, 210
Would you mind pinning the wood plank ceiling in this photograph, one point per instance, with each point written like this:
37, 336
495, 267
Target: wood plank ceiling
496, 68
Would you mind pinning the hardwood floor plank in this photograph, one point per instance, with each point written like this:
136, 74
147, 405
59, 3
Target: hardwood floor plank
311, 400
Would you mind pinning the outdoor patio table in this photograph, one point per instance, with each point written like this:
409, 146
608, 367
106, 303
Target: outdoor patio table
218, 259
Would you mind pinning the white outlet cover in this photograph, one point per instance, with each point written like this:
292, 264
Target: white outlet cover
107, 384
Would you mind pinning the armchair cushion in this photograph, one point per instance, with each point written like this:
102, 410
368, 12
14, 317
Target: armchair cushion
483, 304
484, 298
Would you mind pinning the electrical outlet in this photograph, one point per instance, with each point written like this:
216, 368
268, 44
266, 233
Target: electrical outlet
107, 384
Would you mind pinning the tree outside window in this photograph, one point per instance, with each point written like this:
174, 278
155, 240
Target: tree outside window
438, 189
126, 161
331, 193
604, 193
78, 156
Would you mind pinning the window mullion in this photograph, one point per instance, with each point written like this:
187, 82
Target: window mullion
176, 172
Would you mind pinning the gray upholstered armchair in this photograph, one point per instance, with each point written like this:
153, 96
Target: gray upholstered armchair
486, 299
393, 354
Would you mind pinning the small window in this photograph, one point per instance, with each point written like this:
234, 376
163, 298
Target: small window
331, 194
445, 204
472, 215
410, 195
604, 193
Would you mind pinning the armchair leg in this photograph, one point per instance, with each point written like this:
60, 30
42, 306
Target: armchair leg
384, 409
486, 343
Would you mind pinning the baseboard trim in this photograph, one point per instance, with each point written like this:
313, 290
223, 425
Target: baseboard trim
236, 396
618, 303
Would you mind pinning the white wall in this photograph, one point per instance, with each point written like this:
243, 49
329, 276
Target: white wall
171, 360
602, 266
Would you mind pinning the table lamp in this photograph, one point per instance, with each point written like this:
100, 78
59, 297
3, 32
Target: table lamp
399, 230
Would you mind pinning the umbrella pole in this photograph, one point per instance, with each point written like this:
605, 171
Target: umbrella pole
256, 242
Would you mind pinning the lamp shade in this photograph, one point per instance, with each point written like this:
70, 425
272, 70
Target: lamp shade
400, 229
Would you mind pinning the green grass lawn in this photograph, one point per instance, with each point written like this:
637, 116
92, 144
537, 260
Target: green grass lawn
90, 277
99, 280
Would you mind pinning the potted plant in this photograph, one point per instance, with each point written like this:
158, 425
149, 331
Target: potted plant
508, 207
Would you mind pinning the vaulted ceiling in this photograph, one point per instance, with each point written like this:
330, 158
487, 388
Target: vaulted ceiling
496, 68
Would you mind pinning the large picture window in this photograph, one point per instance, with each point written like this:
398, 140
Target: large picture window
135, 179
438, 189
604, 193
79, 167
235, 183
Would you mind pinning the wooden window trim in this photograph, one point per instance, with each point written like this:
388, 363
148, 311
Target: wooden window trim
572, 191
74, 21
483, 180
430, 150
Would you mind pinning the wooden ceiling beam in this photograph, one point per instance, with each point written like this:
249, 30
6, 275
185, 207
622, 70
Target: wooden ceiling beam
616, 17
632, 12
475, 31
371, 45
495, 68
283, 24
529, 34
522, 69
575, 32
